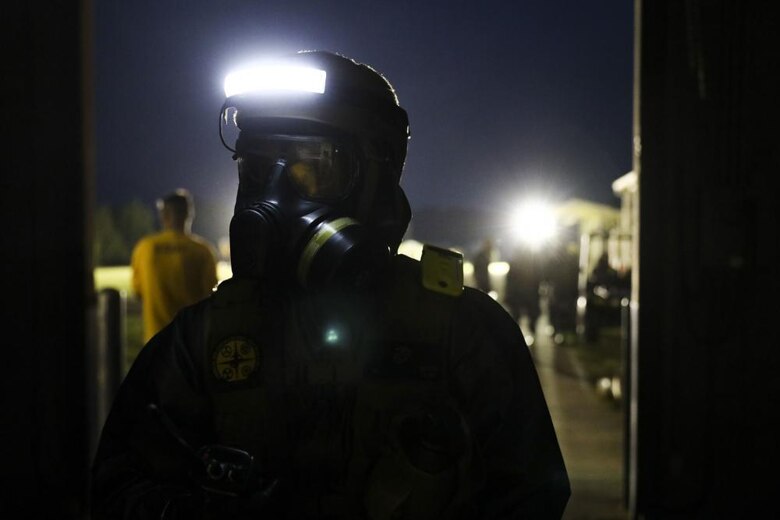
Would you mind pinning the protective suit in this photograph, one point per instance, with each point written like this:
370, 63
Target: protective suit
331, 378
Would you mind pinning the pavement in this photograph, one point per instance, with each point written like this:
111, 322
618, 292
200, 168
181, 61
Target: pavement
590, 434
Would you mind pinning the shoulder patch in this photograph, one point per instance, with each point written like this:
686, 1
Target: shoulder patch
442, 270
235, 360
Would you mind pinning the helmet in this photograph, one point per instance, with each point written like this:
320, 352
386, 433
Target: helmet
343, 140
355, 98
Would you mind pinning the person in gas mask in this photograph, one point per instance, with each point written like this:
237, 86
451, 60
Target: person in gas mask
330, 377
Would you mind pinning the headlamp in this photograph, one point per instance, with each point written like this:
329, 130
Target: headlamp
318, 88
275, 78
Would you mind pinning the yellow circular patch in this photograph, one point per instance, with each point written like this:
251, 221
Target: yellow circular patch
235, 359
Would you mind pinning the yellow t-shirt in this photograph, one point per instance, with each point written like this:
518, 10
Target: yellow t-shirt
170, 271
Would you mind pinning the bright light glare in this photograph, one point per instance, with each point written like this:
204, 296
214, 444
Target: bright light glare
334, 336
498, 268
534, 223
278, 78
331, 336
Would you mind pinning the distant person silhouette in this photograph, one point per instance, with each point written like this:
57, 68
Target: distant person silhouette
602, 287
562, 274
172, 268
522, 287
481, 262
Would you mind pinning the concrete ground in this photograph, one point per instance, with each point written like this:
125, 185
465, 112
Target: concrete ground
590, 433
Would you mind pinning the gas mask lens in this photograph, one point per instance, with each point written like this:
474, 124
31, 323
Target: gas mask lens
319, 168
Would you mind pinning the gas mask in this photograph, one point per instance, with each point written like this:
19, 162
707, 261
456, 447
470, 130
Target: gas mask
321, 145
293, 215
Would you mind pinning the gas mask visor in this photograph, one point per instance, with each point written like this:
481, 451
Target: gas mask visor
300, 190
319, 168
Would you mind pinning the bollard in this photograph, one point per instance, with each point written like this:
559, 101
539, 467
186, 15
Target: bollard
110, 349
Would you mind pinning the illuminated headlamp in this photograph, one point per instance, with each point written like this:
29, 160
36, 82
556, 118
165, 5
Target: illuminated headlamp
290, 96
275, 78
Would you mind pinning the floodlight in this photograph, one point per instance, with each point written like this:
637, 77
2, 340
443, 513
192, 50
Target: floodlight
534, 223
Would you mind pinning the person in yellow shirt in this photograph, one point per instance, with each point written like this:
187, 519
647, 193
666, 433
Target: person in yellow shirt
174, 267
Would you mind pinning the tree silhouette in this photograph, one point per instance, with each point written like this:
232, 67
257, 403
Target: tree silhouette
118, 229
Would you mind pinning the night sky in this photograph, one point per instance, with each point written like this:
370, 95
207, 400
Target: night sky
505, 98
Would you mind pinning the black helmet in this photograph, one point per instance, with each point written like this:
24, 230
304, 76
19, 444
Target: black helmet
352, 99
